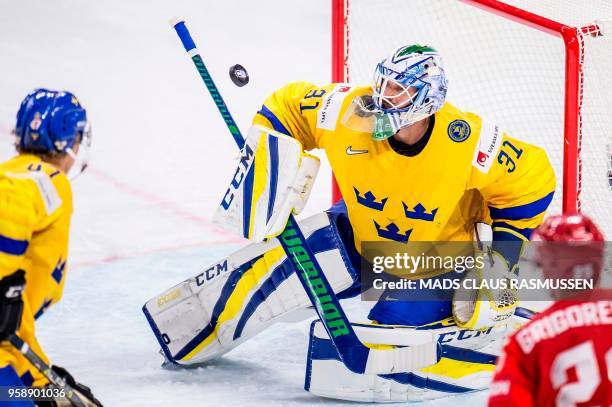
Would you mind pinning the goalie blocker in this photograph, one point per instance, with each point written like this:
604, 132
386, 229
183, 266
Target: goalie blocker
273, 179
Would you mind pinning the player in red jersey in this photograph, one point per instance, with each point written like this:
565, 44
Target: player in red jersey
563, 357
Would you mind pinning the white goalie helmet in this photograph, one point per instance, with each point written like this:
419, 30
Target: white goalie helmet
408, 86
413, 70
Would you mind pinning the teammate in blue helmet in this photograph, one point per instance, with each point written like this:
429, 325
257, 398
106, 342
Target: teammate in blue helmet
53, 125
52, 132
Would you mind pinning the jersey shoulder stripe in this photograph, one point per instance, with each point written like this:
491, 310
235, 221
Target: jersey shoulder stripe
525, 211
274, 121
13, 246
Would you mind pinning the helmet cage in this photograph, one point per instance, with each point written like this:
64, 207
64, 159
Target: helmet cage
420, 82
411, 80
81, 157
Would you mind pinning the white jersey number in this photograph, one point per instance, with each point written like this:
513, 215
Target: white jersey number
581, 357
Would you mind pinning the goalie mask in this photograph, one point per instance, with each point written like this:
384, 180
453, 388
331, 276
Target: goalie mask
409, 85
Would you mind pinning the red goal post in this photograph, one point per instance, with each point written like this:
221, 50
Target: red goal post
548, 64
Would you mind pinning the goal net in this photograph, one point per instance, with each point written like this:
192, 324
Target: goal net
542, 70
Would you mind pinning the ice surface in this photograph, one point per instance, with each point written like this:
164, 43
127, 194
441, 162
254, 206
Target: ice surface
162, 158
99, 333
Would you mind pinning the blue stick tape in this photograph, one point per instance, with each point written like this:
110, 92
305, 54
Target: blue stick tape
183, 33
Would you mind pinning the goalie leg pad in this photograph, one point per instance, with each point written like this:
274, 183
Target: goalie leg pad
467, 364
230, 302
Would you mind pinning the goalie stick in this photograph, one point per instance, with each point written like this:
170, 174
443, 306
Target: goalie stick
45, 369
354, 354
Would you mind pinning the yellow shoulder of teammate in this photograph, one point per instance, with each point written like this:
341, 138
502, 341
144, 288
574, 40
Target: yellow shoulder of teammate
34, 217
32, 199
48, 186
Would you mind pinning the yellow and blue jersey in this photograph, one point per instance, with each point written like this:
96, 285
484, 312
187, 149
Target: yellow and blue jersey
35, 211
468, 171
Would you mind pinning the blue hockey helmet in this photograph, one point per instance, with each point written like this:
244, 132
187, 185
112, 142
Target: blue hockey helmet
409, 85
50, 122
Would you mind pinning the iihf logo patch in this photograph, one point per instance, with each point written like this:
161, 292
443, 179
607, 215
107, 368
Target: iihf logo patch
459, 130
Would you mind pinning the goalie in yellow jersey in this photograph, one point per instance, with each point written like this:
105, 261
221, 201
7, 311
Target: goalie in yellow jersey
412, 167
52, 138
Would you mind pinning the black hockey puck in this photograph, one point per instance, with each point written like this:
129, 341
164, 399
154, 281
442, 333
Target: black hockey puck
239, 75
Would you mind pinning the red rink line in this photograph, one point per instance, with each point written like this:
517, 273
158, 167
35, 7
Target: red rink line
164, 204
144, 195
154, 199
119, 257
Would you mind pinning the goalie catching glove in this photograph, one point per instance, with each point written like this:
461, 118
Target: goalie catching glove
482, 307
273, 178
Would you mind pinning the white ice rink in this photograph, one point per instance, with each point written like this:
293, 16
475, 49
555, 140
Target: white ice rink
161, 160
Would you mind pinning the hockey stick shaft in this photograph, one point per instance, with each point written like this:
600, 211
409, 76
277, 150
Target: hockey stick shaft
353, 353
190, 47
45, 369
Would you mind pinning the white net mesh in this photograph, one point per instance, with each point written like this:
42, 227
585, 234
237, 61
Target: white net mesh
596, 154
506, 71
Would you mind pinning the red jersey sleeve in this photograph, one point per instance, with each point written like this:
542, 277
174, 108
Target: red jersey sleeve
513, 383
562, 357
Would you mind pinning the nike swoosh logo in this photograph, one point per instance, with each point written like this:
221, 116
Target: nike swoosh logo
350, 151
